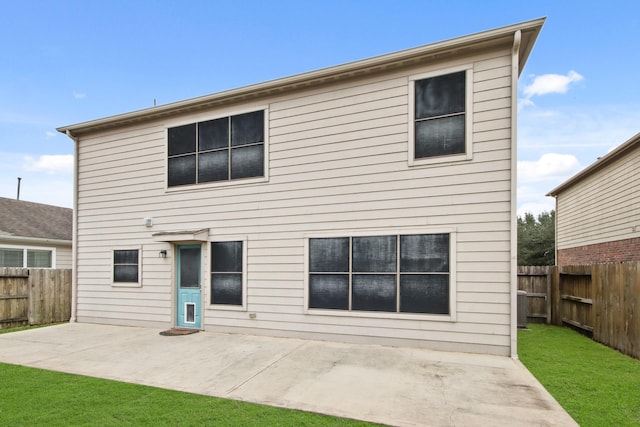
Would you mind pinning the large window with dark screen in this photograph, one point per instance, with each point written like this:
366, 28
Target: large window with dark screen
126, 263
222, 149
226, 273
390, 273
440, 110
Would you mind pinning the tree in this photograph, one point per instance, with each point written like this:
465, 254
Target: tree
537, 239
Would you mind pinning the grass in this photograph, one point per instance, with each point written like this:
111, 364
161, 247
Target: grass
24, 328
35, 397
596, 385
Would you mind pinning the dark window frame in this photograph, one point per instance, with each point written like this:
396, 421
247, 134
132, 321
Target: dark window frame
463, 119
120, 265
221, 270
235, 154
406, 272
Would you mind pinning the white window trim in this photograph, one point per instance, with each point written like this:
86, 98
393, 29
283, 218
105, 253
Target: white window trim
137, 284
217, 184
207, 279
451, 317
468, 155
37, 248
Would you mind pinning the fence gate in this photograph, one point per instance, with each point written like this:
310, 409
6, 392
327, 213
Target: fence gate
535, 280
573, 298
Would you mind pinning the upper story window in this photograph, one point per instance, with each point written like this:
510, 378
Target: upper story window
217, 150
441, 117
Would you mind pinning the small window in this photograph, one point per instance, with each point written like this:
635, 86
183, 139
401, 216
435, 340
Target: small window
11, 257
223, 149
27, 258
391, 273
440, 115
39, 258
126, 266
226, 273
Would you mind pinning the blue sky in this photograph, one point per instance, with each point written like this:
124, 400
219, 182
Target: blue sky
65, 62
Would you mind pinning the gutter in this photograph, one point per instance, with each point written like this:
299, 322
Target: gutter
515, 72
37, 240
74, 247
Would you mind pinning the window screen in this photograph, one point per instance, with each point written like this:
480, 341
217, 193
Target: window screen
11, 257
440, 108
39, 258
216, 150
226, 273
125, 266
392, 273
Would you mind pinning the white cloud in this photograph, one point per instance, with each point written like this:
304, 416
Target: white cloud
551, 83
79, 95
551, 166
36, 186
50, 134
546, 84
52, 164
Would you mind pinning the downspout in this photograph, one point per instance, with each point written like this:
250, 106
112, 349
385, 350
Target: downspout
515, 73
555, 231
74, 244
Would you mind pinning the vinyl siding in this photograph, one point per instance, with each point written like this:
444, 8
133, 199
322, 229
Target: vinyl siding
337, 164
63, 257
603, 207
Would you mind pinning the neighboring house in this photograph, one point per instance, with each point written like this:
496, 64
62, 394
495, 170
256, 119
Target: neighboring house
598, 210
34, 235
369, 202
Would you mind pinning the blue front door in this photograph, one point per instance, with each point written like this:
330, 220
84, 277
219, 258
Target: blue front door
189, 276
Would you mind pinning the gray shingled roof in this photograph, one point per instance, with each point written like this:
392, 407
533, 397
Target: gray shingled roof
28, 219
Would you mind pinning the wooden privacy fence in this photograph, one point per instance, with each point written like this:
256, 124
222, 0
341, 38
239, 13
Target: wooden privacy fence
535, 280
602, 300
31, 296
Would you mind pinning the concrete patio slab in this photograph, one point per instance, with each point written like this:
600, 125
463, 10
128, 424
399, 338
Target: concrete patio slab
389, 385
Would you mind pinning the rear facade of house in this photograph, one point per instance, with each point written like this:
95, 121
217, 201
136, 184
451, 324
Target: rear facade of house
598, 210
370, 202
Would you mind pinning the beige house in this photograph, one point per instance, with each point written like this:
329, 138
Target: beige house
598, 210
34, 235
370, 202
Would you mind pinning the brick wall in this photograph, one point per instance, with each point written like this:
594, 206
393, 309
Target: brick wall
618, 251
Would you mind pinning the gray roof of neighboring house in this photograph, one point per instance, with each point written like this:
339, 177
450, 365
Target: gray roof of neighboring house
35, 220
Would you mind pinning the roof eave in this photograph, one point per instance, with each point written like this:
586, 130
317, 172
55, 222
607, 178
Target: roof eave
529, 30
622, 149
35, 240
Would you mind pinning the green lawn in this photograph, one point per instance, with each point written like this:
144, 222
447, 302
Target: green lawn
35, 397
598, 386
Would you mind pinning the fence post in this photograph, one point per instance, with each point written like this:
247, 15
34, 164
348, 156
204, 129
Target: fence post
556, 306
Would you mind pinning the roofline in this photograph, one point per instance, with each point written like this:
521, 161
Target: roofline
529, 30
618, 152
41, 240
